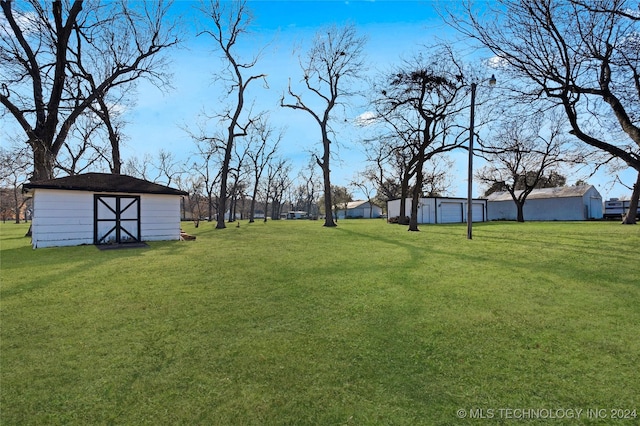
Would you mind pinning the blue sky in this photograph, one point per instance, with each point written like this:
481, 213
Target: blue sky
284, 29
393, 29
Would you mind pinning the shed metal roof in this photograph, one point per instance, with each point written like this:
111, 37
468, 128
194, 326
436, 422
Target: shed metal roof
544, 193
103, 182
355, 204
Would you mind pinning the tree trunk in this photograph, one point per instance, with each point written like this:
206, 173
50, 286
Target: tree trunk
413, 220
17, 204
275, 208
115, 156
42, 162
114, 138
252, 209
210, 207
520, 209
404, 191
326, 173
630, 218
266, 206
222, 198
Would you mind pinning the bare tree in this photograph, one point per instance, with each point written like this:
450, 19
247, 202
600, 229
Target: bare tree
194, 185
162, 168
14, 167
206, 162
276, 184
384, 168
524, 151
230, 20
418, 102
238, 170
113, 123
580, 55
59, 58
83, 148
139, 167
263, 147
367, 186
436, 181
308, 190
334, 61
168, 168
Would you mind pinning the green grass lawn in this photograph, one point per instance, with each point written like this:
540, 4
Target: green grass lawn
292, 323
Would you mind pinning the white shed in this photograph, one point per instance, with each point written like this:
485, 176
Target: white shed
359, 209
441, 209
581, 202
99, 208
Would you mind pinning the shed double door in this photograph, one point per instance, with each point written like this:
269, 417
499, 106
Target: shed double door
116, 219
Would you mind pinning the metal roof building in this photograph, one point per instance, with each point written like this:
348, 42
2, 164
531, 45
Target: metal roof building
547, 204
441, 209
359, 209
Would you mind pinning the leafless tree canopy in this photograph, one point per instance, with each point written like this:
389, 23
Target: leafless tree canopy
417, 103
230, 20
332, 63
14, 169
581, 55
262, 148
59, 59
525, 150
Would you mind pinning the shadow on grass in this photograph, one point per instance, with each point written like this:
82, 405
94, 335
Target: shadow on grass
554, 253
66, 261
415, 251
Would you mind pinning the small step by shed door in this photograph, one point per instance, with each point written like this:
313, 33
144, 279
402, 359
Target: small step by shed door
117, 219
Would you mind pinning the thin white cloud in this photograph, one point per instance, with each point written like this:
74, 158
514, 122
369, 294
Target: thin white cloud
366, 119
497, 62
27, 22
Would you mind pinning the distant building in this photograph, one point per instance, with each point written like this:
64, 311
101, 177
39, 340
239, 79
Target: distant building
298, 214
359, 210
441, 210
547, 204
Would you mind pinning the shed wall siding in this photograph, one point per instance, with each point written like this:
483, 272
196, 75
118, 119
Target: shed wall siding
66, 218
160, 217
62, 218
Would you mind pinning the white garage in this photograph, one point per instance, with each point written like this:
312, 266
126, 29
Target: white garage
101, 209
441, 209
